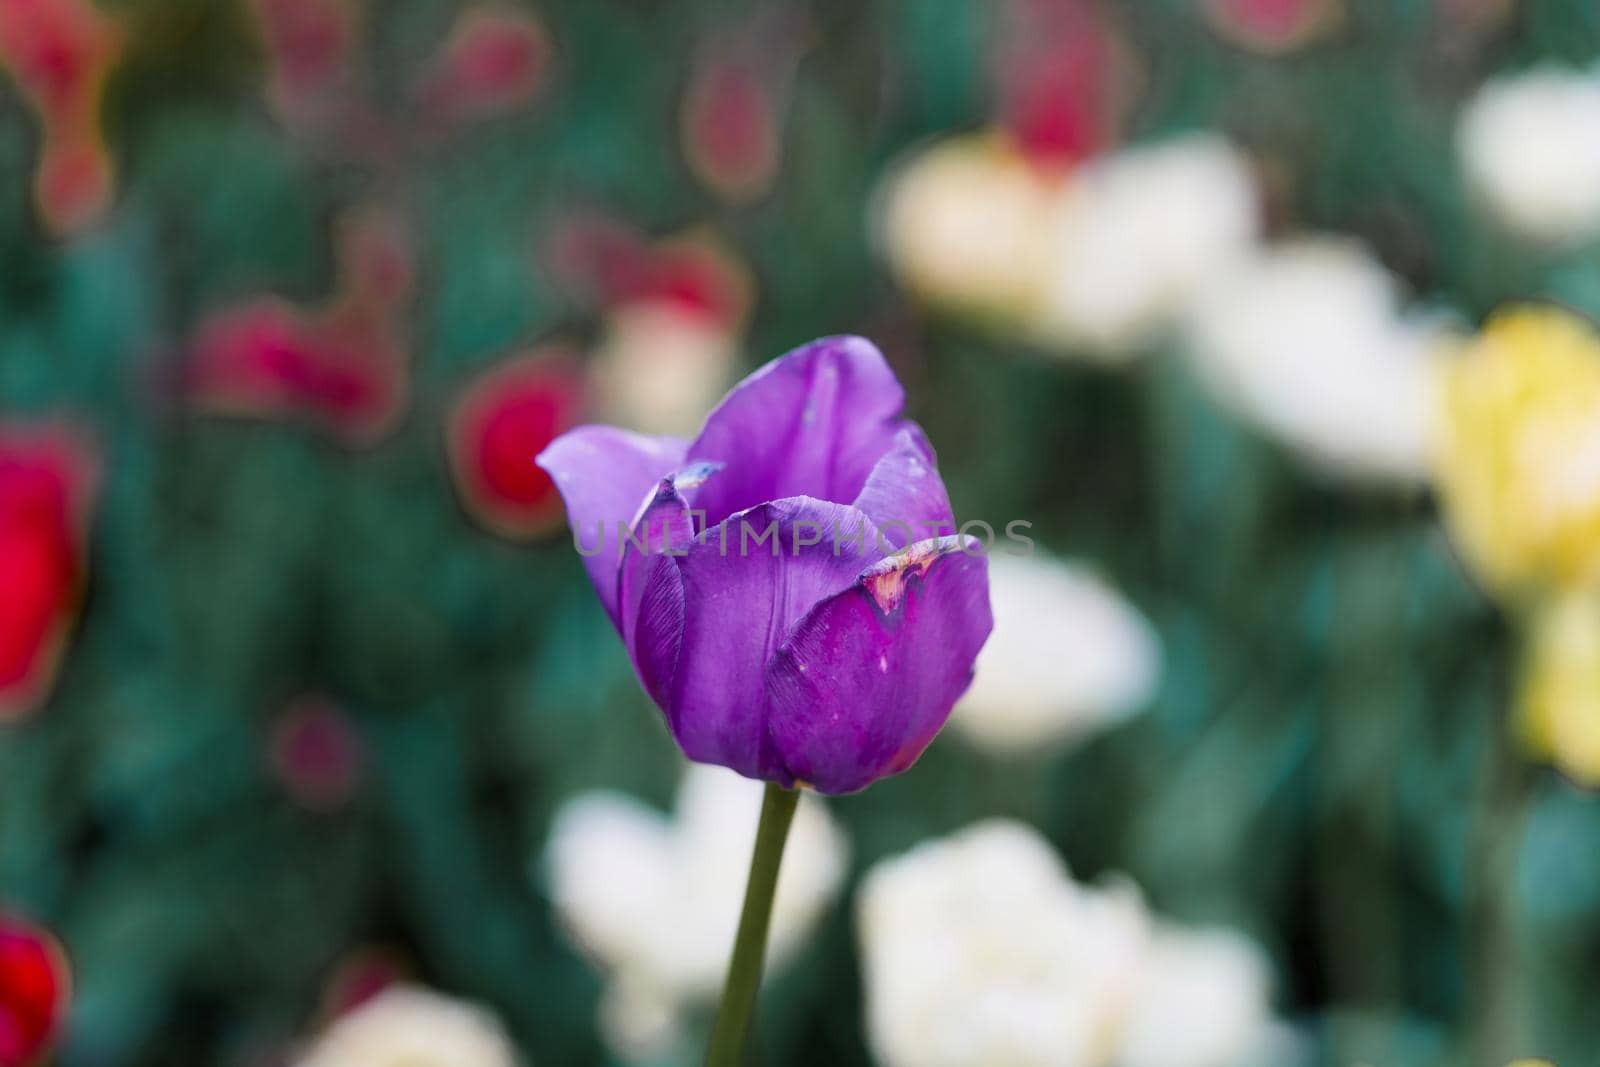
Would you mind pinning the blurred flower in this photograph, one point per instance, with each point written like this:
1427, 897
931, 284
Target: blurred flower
660, 367
655, 901
1202, 1000
1519, 452
343, 368
504, 418
1142, 230
1530, 146
406, 1026
1095, 260
1272, 26
669, 343
833, 652
965, 226
736, 103
316, 754
362, 976
980, 948
594, 258
60, 53
1307, 341
35, 991
1068, 657
494, 61
47, 488
308, 45
1560, 686
1064, 80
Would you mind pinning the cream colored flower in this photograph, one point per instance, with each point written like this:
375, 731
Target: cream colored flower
964, 223
1530, 146
980, 948
1142, 231
1068, 657
655, 901
1307, 341
1519, 453
409, 1027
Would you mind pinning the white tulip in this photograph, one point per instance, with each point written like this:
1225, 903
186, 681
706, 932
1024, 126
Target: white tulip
655, 901
409, 1027
1530, 146
1068, 657
1307, 340
980, 948
1143, 230
1201, 1001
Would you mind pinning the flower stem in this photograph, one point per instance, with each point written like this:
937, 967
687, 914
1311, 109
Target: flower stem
750, 946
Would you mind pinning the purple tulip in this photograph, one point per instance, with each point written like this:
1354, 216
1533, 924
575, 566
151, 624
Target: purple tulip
787, 584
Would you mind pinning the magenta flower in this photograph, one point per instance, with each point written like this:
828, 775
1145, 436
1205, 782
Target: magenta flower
786, 584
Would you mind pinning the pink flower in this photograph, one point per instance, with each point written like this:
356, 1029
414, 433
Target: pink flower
47, 481
501, 421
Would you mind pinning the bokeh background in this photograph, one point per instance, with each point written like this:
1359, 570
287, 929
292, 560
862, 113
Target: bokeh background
291, 292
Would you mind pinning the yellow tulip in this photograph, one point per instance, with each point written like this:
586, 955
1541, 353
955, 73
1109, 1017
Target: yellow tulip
1559, 701
1519, 453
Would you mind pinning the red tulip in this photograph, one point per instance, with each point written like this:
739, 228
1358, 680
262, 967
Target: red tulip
1062, 80
697, 274
46, 486
342, 368
736, 102
35, 988
60, 52
494, 61
606, 262
500, 423
1272, 26
731, 128
317, 754
308, 45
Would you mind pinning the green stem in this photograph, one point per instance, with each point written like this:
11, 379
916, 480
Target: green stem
750, 947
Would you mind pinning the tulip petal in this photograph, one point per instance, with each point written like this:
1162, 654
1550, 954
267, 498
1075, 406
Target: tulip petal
904, 495
810, 423
743, 585
868, 677
603, 474
663, 531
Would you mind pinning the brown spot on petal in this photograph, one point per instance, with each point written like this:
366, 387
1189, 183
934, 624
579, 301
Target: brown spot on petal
886, 580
